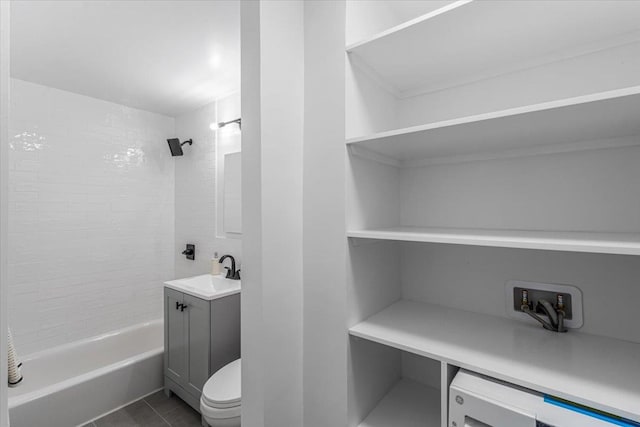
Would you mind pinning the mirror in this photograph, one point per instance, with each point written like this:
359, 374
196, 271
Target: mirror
228, 143
232, 195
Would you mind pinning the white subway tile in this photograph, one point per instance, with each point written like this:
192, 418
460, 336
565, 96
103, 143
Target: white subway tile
91, 215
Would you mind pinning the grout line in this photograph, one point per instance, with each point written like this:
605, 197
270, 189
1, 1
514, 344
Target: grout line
156, 412
116, 409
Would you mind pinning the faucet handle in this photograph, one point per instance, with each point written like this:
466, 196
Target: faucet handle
190, 251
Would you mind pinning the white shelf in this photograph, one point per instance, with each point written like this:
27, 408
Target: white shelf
598, 116
605, 243
408, 404
467, 41
602, 373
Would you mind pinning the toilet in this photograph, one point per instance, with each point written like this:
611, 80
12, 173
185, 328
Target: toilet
220, 401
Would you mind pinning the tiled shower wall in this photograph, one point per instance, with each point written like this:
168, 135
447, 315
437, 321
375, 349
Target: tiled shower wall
198, 178
91, 215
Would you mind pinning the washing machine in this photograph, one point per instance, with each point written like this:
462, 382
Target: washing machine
479, 401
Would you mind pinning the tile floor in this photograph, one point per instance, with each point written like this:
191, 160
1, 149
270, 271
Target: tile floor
156, 410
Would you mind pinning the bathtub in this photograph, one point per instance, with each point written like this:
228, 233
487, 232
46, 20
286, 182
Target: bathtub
72, 384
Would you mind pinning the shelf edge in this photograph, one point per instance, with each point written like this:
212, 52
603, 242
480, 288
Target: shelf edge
500, 114
564, 245
396, 29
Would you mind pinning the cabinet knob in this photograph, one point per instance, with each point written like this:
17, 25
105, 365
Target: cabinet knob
183, 306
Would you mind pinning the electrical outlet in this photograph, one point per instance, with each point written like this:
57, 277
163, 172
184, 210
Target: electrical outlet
571, 296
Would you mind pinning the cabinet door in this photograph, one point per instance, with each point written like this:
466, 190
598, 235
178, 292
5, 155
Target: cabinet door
175, 337
197, 315
225, 331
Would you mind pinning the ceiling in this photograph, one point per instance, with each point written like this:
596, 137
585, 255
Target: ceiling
168, 57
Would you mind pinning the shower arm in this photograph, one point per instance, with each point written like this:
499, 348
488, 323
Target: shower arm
220, 125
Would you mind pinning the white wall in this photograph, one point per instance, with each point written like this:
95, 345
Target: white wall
252, 338
272, 152
325, 248
369, 106
91, 219
4, 123
574, 76
198, 179
473, 279
591, 190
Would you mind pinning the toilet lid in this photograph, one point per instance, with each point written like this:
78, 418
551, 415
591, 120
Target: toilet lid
222, 390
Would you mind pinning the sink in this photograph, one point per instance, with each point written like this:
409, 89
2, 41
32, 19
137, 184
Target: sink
206, 286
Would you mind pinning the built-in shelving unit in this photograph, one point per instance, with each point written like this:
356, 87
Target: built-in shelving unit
606, 243
598, 116
408, 404
490, 124
490, 38
599, 372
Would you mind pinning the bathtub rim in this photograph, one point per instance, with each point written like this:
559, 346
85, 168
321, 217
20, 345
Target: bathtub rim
83, 341
21, 399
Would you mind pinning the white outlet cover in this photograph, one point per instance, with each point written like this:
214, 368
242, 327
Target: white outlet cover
576, 301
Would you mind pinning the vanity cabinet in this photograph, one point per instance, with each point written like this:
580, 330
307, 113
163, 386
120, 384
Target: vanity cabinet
201, 337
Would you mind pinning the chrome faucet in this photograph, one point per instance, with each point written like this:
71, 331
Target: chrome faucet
232, 273
555, 314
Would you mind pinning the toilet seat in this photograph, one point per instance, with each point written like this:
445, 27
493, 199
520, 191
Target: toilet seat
221, 397
211, 413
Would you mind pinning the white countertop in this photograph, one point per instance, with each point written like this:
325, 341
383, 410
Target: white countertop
206, 286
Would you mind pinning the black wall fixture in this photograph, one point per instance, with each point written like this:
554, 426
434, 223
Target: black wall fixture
190, 252
176, 147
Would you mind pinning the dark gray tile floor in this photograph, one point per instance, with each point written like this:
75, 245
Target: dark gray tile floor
156, 410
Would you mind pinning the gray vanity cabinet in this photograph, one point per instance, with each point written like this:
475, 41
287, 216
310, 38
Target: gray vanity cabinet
175, 339
197, 333
200, 337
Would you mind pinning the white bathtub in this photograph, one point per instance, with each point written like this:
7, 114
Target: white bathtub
69, 385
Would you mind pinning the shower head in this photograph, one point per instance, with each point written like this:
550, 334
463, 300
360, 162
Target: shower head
176, 147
